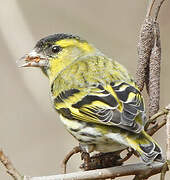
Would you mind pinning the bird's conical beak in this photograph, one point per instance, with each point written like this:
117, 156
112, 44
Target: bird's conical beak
32, 59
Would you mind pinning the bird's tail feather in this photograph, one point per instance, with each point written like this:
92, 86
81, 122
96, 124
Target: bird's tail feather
146, 146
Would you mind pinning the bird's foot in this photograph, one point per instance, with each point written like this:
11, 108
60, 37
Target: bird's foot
87, 161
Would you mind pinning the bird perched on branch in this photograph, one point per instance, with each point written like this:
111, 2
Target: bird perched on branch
97, 99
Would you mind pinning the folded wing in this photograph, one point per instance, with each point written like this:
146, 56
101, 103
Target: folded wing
115, 104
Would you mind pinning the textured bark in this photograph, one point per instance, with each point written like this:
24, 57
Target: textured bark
126, 170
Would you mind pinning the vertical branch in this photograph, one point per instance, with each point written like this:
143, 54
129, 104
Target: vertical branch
158, 9
168, 136
148, 14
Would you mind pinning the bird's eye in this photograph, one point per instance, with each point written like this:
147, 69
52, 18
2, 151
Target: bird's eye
56, 49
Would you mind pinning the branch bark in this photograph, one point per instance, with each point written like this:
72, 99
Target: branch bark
168, 136
126, 170
9, 167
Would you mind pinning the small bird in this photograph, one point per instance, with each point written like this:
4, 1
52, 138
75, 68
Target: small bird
97, 99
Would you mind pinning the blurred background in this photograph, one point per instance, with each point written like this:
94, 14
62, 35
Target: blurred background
30, 131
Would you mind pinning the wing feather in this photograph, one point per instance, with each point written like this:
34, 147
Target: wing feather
118, 104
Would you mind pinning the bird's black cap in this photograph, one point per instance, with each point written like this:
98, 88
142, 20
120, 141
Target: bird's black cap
56, 37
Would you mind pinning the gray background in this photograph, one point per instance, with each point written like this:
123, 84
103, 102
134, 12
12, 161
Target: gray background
30, 131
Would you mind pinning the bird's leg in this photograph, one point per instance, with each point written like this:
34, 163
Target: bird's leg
75, 150
86, 157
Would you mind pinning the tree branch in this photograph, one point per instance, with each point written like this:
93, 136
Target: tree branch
126, 170
148, 14
158, 9
156, 127
155, 116
168, 136
68, 156
9, 166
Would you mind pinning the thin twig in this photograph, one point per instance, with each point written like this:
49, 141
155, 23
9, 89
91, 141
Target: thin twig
155, 116
156, 127
150, 8
158, 9
160, 124
163, 171
168, 136
68, 156
128, 155
9, 166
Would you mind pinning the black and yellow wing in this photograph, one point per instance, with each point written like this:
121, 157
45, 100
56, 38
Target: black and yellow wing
116, 104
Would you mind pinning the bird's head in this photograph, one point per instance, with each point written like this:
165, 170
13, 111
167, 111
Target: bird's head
53, 53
